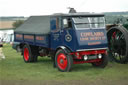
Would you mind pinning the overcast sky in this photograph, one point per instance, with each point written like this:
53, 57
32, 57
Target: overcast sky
46, 7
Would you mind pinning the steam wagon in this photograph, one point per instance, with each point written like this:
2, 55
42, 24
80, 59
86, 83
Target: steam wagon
72, 38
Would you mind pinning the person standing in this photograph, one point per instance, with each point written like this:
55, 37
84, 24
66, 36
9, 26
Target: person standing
2, 56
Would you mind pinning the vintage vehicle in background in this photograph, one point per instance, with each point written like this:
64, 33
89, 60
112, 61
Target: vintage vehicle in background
118, 42
72, 38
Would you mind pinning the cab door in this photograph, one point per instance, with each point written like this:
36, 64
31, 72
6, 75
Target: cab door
68, 33
56, 32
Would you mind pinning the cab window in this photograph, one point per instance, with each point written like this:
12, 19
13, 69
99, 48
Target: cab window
55, 23
67, 23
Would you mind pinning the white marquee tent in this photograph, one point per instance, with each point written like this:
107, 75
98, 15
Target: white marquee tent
7, 35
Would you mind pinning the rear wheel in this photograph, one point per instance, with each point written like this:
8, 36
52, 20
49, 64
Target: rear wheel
28, 56
63, 61
102, 63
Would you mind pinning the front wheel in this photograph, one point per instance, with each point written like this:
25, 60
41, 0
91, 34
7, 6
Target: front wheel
102, 63
63, 61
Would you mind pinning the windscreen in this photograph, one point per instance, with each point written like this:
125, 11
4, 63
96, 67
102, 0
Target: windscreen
89, 22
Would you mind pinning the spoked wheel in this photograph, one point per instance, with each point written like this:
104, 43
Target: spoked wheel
63, 62
102, 63
28, 56
118, 44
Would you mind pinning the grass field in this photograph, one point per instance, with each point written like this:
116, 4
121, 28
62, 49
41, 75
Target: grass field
13, 71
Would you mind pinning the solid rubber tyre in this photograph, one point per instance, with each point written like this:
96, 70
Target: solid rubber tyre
63, 61
28, 56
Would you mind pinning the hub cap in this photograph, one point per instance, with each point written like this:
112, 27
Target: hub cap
26, 54
62, 61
